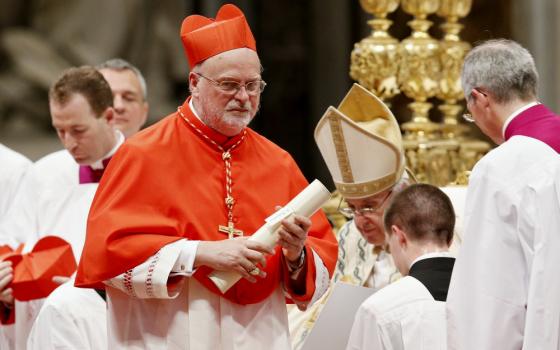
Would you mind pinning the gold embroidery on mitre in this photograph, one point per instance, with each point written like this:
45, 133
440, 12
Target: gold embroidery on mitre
368, 113
365, 189
361, 105
340, 147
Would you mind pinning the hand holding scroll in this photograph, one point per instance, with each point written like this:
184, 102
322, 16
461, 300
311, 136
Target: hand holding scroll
303, 205
239, 255
293, 234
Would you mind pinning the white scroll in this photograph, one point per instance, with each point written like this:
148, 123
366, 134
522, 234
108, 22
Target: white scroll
306, 203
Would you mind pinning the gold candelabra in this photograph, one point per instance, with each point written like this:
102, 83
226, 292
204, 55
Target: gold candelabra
419, 70
452, 55
422, 67
375, 59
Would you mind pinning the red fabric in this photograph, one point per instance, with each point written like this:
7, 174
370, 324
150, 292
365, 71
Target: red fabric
168, 182
309, 269
6, 251
7, 315
33, 272
204, 37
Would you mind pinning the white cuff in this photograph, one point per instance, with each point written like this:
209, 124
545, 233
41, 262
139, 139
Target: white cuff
322, 278
151, 278
184, 266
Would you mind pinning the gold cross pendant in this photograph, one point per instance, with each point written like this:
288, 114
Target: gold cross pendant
230, 230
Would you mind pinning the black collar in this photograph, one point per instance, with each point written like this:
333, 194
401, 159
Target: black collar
102, 294
434, 274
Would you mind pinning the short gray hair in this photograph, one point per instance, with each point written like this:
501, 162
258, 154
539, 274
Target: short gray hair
119, 64
502, 67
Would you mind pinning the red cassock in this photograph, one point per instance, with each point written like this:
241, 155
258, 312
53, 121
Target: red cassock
168, 183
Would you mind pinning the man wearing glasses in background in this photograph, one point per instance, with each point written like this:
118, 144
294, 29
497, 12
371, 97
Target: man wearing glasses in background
178, 200
505, 287
361, 144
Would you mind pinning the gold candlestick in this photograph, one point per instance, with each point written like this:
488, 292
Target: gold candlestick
424, 68
453, 51
470, 153
419, 70
375, 59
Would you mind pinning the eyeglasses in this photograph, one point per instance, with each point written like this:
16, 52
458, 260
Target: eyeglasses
468, 117
349, 213
253, 88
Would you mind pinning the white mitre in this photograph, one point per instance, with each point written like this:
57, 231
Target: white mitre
362, 144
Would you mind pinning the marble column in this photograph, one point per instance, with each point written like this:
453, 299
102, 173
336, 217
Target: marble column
535, 25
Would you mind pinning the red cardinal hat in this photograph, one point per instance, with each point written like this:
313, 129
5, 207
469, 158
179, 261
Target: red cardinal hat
33, 272
204, 37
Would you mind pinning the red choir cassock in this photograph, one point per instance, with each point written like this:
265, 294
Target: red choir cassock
168, 183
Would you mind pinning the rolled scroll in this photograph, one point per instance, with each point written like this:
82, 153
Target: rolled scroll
306, 203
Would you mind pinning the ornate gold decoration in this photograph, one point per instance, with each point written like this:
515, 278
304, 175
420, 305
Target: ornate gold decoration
357, 190
340, 146
438, 153
419, 70
470, 153
375, 59
453, 51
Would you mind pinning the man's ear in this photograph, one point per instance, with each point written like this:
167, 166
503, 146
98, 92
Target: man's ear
109, 115
400, 235
145, 110
193, 82
480, 97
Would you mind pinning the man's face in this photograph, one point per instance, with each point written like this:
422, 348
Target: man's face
131, 109
479, 104
86, 137
370, 224
227, 113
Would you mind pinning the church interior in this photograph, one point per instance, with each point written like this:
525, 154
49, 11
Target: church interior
407, 58
306, 49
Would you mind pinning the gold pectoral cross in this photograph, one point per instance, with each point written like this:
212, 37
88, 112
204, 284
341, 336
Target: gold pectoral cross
230, 230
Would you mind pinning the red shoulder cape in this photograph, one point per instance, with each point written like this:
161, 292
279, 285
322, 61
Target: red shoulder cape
168, 183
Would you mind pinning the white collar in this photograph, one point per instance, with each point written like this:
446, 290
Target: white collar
98, 164
432, 255
191, 105
515, 114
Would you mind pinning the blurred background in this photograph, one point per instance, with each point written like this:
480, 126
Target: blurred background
304, 47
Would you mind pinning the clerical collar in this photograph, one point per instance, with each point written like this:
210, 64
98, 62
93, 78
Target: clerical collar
515, 114
191, 105
98, 164
432, 255
192, 117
